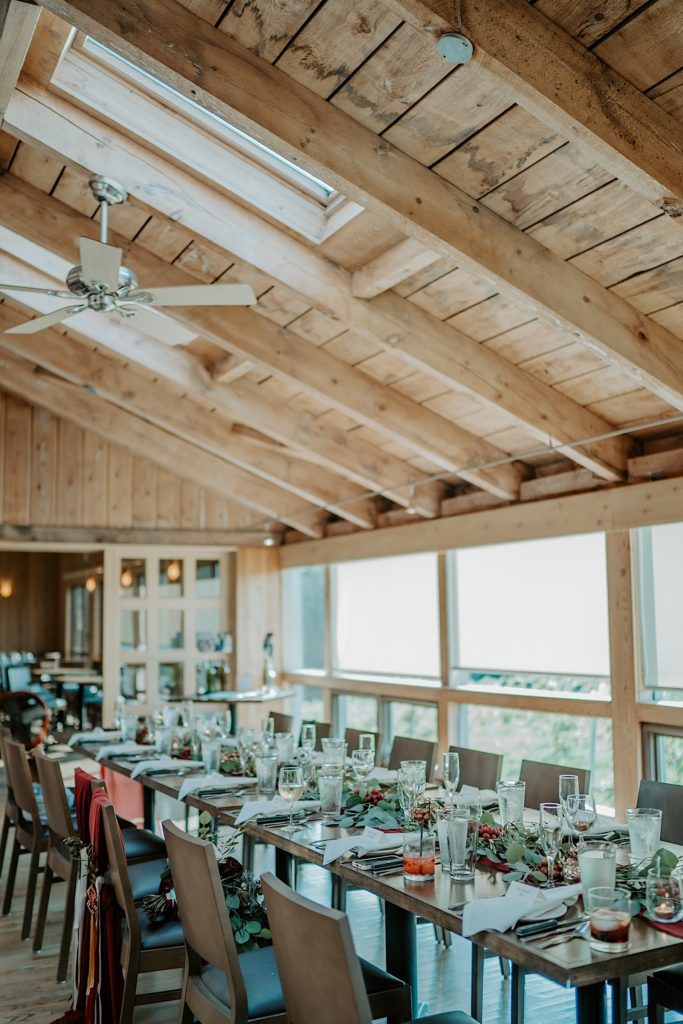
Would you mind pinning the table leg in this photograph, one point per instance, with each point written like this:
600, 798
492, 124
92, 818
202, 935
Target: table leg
283, 866
81, 694
232, 708
619, 1000
477, 974
517, 995
148, 808
400, 931
590, 1004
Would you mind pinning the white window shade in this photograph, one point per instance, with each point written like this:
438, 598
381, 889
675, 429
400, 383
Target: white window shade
660, 577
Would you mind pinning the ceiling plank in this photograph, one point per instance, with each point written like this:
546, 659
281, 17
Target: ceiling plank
568, 88
200, 62
388, 320
391, 267
134, 434
17, 23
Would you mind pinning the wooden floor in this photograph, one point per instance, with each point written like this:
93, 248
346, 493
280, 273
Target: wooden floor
30, 995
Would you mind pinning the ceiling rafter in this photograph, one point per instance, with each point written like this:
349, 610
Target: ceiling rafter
17, 23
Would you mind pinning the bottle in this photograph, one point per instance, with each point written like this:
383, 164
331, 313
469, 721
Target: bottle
269, 676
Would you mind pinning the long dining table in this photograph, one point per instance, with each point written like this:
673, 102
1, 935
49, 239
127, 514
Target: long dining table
572, 964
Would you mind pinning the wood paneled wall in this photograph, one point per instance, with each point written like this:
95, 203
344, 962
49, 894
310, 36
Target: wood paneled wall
52, 473
29, 619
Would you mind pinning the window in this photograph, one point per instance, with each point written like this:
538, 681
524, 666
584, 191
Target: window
531, 615
303, 616
352, 711
386, 617
419, 721
664, 753
659, 560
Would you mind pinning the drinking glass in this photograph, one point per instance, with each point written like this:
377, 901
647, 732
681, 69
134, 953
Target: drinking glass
644, 829
366, 741
246, 742
211, 753
568, 785
664, 896
330, 783
334, 750
170, 716
609, 910
443, 815
511, 804
362, 763
266, 772
419, 856
269, 726
129, 726
284, 744
550, 835
402, 789
580, 812
308, 736
451, 772
291, 788
597, 866
463, 837
163, 739
414, 781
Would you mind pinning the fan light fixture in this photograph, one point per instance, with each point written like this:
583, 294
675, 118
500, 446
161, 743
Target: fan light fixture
6, 588
91, 584
173, 571
126, 579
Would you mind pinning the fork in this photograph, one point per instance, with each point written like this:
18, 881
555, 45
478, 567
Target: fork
580, 932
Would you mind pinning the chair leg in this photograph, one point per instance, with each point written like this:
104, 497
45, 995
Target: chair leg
655, 1012
128, 998
30, 892
504, 967
68, 927
6, 825
42, 909
11, 877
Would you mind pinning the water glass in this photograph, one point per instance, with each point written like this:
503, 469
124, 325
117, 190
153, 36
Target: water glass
419, 856
463, 837
568, 786
362, 763
128, 725
443, 816
664, 896
450, 771
366, 741
334, 750
284, 745
609, 910
644, 828
413, 780
511, 804
597, 866
308, 736
170, 716
550, 835
266, 772
330, 783
211, 753
163, 739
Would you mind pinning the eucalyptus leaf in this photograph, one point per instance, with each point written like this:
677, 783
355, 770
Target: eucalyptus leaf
514, 852
539, 876
253, 927
232, 901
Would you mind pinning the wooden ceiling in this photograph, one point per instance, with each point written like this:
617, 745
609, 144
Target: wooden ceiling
491, 313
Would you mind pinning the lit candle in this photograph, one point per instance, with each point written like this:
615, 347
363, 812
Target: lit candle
664, 909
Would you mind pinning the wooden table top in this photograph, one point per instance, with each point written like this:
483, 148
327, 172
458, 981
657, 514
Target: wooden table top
571, 963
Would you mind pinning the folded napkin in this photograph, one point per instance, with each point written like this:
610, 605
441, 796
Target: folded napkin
130, 747
604, 824
499, 913
488, 797
369, 839
213, 780
256, 808
164, 761
94, 736
385, 775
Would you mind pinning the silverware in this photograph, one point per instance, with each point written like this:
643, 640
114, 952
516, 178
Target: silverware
580, 932
551, 933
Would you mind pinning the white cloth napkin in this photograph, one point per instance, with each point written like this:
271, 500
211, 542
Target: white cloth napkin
164, 761
214, 780
255, 808
94, 736
129, 747
385, 775
487, 796
369, 839
499, 913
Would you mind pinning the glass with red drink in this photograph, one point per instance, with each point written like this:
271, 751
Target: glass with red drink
419, 856
609, 910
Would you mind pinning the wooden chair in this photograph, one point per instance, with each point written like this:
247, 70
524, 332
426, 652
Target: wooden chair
321, 974
406, 749
668, 797
147, 947
10, 813
478, 767
543, 781
352, 737
664, 992
322, 731
283, 723
30, 835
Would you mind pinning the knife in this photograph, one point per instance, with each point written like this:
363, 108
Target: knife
542, 929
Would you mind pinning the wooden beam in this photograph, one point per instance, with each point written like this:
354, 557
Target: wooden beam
123, 535
17, 22
568, 88
204, 64
391, 267
92, 413
656, 464
165, 406
230, 368
396, 325
559, 483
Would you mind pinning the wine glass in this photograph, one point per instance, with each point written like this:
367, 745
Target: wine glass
366, 741
581, 814
568, 786
362, 763
308, 736
550, 835
403, 794
291, 787
451, 772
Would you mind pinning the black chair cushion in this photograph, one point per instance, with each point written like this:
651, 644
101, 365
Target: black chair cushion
452, 1017
145, 876
262, 982
667, 987
159, 934
139, 842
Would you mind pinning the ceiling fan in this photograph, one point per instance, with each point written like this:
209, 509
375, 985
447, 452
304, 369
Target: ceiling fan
101, 283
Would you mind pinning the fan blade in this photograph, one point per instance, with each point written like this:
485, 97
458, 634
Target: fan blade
41, 322
199, 295
159, 326
37, 291
100, 262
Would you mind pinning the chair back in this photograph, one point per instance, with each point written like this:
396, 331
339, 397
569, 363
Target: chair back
406, 749
205, 919
322, 731
22, 782
319, 970
5, 735
352, 737
543, 781
283, 723
56, 805
118, 872
668, 797
478, 767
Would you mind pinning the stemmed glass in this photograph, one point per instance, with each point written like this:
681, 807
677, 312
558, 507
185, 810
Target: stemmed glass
550, 836
403, 793
291, 788
568, 786
308, 736
451, 773
414, 781
362, 763
581, 814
